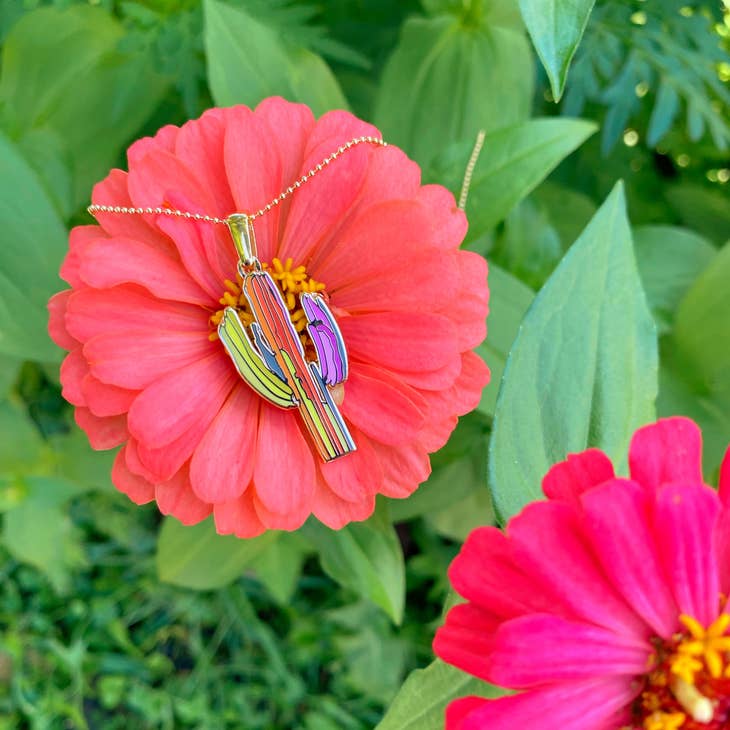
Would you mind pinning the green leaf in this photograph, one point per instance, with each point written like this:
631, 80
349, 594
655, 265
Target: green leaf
680, 396
421, 702
509, 300
365, 557
313, 82
669, 260
248, 61
372, 654
458, 519
527, 244
46, 153
583, 370
556, 28
702, 325
197, 557
447, 79
458, 470
34, 241
279, 565
447, 483
568, 210
76, 461
38, 531
703, 209
512, 163
665, 111
9, 367
21, 445
61, 71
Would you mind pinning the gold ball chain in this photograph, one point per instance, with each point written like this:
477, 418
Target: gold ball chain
278, 199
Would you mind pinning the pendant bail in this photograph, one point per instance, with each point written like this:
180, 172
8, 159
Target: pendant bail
241, 227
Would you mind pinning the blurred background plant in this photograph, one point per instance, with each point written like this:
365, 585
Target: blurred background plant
113, 617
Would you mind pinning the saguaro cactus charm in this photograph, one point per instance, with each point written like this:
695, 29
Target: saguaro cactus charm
271, 359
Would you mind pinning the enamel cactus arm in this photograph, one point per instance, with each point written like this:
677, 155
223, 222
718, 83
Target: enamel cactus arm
267, 383
326, 337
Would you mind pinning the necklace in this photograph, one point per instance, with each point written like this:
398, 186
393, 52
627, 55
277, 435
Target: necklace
268, 353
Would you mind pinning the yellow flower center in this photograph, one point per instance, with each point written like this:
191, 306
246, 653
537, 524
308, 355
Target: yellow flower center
688, 687
290, 280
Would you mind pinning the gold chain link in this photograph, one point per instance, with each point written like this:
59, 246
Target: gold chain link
278, 199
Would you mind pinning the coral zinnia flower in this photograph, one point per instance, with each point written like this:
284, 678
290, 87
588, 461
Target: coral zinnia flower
607, 604
147, 371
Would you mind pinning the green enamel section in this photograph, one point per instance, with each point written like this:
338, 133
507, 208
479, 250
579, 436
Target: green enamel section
307, 403
249, 363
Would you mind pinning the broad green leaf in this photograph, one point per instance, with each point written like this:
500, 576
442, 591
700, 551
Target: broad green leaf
365, 557
38, 531
528, 245
9, 367
447, 483
509, 299
75, 460
34, 241
372, 653
197, 557
568, 210
703, 209
583, 369
313, 82
46, 153
61, 71
21, 445
279, 565
475, 510
669, 260
680, 396
556, 28
456, 472
248, 61
421, 702
512, 163
702, 325
448, 78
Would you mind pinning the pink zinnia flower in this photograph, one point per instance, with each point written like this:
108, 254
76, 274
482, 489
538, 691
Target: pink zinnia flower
146, 370
606, 605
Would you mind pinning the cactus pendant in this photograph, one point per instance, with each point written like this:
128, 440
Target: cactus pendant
269, 355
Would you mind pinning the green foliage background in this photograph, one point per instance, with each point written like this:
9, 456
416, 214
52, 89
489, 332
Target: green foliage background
610, 305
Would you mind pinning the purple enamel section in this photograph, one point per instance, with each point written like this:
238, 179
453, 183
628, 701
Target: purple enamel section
326, 337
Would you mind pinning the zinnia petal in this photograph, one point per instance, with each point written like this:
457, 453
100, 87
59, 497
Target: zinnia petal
412, 342
238, 517
91, 312
103, 433
567, 480
284, 471
587, 705
138, 489
103, 399
669, 450
175, 497
369, 398
57, 321
222, 465
111, 261
620, 531
542, 649
136, 358
684, 524
159, 415
547, 538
